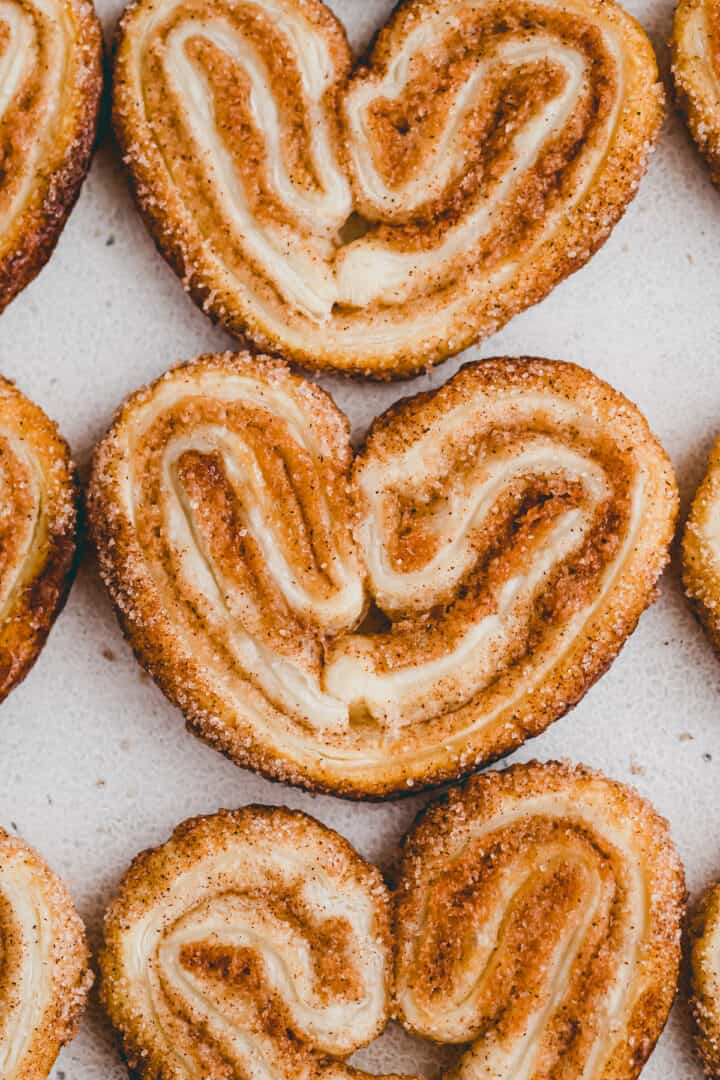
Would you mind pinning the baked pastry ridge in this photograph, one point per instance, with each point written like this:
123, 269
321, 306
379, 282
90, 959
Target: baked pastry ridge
381, 219
44, 974
705, 975
507, 529
538, 917
701, 549
254, 942
50, 86
696, 72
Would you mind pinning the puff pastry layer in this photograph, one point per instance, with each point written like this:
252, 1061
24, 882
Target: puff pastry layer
705, 969
44, 976
538, 918
255, 942
701, 549
38, 523
378, 220
506, 530
50, 83
695, 45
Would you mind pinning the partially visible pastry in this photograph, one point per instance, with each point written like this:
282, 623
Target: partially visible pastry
368, 626
705, 974
379, 220
50, 85
254, 942
695, 45
701, 549
44, 975
38, 526
538, 918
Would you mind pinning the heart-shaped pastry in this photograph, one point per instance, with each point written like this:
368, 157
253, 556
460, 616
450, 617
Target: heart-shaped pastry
378, 220
44, 976
50, 83
363, 627
38, 524
705, 967
537, 918
696, 71
701, 550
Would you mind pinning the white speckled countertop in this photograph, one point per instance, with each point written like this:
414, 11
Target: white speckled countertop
95, 764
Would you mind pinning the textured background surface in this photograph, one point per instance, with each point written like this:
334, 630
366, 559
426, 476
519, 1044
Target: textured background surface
95, 765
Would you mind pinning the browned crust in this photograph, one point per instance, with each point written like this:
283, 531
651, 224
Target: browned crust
443, 825
150, 633
701, 554
46, 582
39, 227
704, 927
571, 246
695, 72
153, 871
69, 960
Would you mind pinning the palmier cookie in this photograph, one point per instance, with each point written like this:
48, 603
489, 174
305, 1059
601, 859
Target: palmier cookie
705, 975
506, 530
44, 976
38, 523
50, 83
701, 549
696, 70
379, 220
254, 942
538, 919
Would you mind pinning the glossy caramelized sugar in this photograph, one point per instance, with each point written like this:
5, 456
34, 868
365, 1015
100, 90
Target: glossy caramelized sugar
38, 523
365, 626
705, 969
50, 83
696, 69
44, 976
701, 549
538, 918
255, 942
380, 219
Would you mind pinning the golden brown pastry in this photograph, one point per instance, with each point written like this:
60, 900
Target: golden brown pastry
50, 83
705, 968
695, 45
538, 919
255, 942
363, 627
701, 549
38, 523
44, 976
379, 220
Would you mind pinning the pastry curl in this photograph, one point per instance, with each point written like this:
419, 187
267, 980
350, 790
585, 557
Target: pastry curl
507, 529
44, 975
705, 975
254, 942
538, 919
379, 220
38, 524
695, 48
701, 550
50, 84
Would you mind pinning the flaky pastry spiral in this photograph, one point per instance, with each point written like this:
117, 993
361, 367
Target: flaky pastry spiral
38, 523
705, 974
508, 529
538, 918
254, 943
695, 45
44, 976
379, 220
701, 549
50, 83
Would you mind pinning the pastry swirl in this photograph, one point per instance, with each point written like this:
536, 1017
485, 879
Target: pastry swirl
254, 942
378, 220
705, 974
38, 524
50, 83
538, 918
508, 530
695, 45
701, 549
44, 976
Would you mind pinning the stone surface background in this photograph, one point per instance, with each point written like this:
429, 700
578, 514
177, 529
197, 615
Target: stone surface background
95, 765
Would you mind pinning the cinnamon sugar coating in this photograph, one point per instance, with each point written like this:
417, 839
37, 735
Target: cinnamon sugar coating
379, 219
